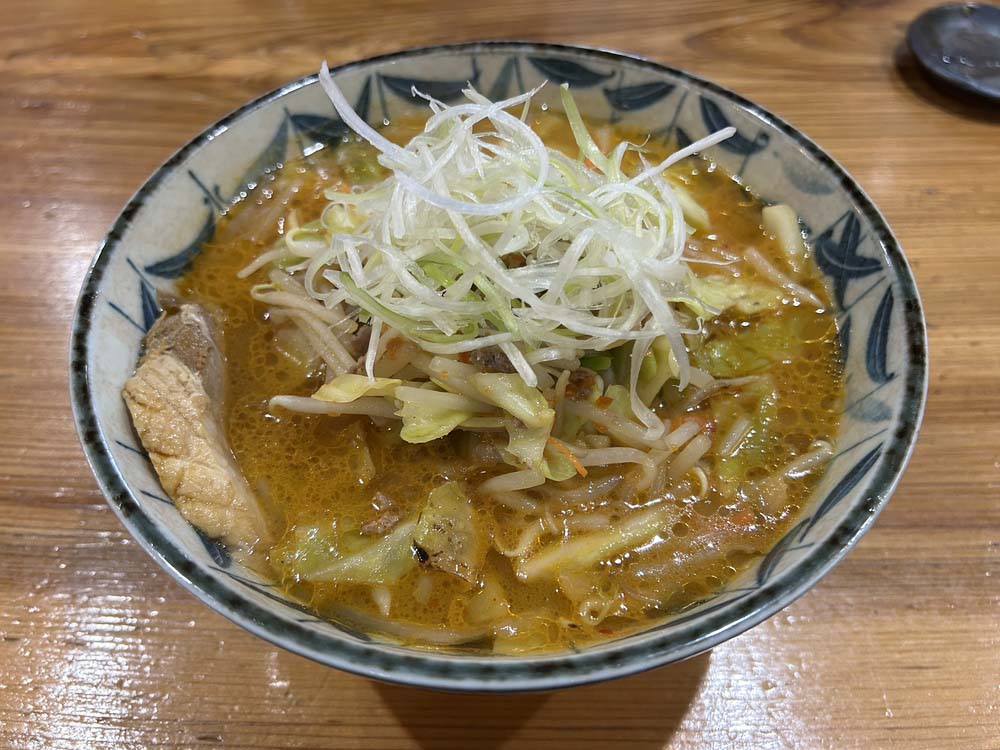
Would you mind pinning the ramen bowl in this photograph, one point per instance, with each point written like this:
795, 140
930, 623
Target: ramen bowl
163, 226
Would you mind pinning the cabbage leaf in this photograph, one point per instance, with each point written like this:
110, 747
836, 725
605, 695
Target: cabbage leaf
517, 398
346, 388
427, 419
448, 534
585, 551
722, 293
382, 562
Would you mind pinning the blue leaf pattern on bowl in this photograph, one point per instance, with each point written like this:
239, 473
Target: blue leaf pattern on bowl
510, 72
215, 549
870, 410
445, 91
117, 308
782, 548
150, 307
177, 264
131, 448
270, 157
877, 353
700, 610
839, 258
329, 131
715, 119
265, 590
157, 498
638, 96
844, 335
560, 70
804, 180
845, 485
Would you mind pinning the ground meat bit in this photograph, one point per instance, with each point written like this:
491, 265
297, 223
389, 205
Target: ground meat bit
383, 523
581, 384
391, 514
490, 359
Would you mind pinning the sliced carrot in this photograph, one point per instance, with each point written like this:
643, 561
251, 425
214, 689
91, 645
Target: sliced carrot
560, 446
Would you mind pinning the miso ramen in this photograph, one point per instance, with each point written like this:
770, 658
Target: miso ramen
497, 378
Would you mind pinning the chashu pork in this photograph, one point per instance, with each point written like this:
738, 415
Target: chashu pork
176, 400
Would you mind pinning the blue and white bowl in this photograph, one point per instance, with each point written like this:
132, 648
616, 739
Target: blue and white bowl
161, 229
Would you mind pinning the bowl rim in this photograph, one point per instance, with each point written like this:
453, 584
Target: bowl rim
490, 673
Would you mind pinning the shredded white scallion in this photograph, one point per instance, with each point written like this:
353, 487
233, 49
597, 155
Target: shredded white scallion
599, 253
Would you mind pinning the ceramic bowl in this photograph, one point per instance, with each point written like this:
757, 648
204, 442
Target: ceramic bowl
162, 227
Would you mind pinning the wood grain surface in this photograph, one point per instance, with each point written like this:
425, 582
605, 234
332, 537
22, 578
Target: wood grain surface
898, 648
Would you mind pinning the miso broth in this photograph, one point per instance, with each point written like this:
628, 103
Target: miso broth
325, 479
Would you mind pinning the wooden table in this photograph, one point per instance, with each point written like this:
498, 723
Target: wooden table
99, 648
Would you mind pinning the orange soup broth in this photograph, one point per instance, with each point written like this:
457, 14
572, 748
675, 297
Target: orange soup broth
305, 467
